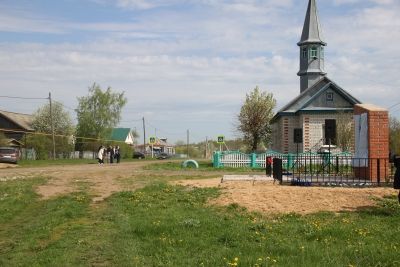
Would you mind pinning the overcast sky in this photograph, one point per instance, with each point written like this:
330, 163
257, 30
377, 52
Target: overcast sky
188, 64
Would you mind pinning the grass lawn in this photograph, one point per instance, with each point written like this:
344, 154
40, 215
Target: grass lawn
204, 166
165, 225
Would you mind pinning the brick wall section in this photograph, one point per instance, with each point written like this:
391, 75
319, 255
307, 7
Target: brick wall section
378, 142
285, 135
306, 133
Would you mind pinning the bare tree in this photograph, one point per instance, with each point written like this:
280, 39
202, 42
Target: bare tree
345, 131
394, 132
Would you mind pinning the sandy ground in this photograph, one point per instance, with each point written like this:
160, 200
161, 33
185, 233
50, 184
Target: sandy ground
265, 197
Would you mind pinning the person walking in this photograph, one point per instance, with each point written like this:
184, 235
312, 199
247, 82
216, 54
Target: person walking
105, 155
117, 154
100, 155
110, 153
396, 183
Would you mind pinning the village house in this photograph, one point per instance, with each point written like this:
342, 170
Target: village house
122, 135
14, 127
160, 146
309, 122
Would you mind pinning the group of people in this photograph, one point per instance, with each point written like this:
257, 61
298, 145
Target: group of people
108, 154
396, 160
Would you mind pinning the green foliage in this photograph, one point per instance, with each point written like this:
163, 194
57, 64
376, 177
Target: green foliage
255, 116
195, 151
125, 149
61, 120
42, 145
394, 134
42, 124
165, 225
3, 140
98, 113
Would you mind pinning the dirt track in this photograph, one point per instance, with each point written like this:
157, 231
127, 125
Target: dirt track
103, 180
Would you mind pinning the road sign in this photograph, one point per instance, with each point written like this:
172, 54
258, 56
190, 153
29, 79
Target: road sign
221, 139
152, 140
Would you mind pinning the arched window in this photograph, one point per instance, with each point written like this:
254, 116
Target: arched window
313, 52
304, 52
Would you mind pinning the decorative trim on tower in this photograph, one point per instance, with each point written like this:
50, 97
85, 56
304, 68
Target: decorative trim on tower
311, 49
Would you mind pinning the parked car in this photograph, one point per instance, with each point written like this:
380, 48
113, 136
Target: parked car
163, 156
9, 155
138, 155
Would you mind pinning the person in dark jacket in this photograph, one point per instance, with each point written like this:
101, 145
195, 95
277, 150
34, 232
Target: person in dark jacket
110, 151
117, 154
396, 183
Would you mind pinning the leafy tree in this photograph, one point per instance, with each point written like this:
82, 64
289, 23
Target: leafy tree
98, 113
63, 128
42, 145
254, 118
61, 119
394, 133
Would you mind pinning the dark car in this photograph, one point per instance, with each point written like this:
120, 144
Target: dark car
9, 155
138, 155
163, 156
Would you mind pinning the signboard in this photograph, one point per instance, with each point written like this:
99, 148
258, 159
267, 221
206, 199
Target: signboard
221, 139
152, 140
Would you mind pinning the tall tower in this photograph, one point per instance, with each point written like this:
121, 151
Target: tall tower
311, 49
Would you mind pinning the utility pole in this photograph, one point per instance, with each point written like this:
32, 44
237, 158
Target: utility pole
187, 143
206, 155
52, 127
144, 136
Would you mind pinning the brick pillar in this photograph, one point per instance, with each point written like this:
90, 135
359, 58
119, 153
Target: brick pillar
306, 139
285, 135
378, 143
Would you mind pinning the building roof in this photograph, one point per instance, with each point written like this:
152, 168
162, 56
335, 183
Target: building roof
161, 142
120, 134
372, 107
22, 120
312, 31
302, 102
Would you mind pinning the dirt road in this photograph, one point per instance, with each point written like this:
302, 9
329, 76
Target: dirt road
103, 180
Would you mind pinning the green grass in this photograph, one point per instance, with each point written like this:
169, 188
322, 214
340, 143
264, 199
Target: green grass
204, 166
164, 225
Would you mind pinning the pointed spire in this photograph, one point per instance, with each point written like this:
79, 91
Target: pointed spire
312, 31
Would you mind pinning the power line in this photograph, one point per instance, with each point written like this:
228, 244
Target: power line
392, 106
165, 132
363, 77
62, 104
30, 98
58, 135
135, 120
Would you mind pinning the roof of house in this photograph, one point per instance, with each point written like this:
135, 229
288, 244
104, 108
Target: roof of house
120, 134
22, 120
302, 101
159, 142
312, 31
